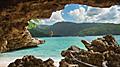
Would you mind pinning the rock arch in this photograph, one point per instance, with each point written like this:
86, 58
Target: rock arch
14, 15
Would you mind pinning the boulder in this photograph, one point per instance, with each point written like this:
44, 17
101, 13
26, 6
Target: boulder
108, 42
102, 52
31, 61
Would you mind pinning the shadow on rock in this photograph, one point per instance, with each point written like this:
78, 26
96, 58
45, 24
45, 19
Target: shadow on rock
31, 61
102, 52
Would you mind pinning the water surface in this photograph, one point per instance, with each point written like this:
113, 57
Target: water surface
51, 49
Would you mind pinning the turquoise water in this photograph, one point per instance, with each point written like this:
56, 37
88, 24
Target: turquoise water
52, 47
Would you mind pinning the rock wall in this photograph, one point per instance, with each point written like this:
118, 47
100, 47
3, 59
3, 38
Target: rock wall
15, 39
102, 52
14, 15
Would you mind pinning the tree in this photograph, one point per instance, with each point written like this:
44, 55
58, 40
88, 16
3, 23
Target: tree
34, 23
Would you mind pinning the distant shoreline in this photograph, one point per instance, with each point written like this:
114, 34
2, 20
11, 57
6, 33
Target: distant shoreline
77, 36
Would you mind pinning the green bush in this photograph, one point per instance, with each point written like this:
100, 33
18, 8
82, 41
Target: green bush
34, 23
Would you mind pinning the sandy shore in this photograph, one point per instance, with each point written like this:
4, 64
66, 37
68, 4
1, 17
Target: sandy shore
5, 61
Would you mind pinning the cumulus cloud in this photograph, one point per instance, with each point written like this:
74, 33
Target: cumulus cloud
86, 14
78, 14
56, 16
93, 11
111, 15
98, 15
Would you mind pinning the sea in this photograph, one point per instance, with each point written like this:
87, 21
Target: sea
50, 49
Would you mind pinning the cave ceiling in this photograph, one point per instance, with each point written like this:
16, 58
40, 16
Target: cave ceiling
24, 10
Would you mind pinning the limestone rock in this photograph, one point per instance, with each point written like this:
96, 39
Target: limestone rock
108, 42
31, 61
90, 57
16, 39
102, 52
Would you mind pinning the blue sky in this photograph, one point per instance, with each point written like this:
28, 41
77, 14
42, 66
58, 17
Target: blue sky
85, 14
68, 8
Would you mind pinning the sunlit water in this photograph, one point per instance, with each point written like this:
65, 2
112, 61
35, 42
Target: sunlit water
51, 49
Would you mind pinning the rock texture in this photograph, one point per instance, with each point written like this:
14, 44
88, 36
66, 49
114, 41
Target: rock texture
13, 22
16, 39
14, 15
102, 52
31, 61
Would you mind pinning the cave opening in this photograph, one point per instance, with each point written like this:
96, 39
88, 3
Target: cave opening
77, 14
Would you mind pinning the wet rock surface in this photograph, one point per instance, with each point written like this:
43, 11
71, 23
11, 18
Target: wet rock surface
31, 61
102, 52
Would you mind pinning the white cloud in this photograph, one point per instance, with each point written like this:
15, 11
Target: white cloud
93, 11
95, 14
92, 14
56, 16
66, 5
78, 14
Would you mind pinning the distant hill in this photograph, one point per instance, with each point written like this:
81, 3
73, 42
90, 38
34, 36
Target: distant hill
76, 29
40, 31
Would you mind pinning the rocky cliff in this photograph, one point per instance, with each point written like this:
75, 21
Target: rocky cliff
14, 15
14, 38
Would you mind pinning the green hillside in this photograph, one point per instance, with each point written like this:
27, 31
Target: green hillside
75, 29
101, 29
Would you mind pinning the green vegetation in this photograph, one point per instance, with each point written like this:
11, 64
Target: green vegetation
76, 29
34, 23
101, 29
38, 33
